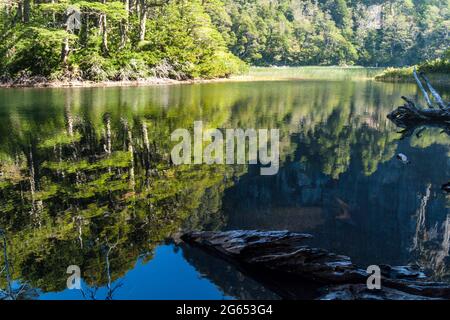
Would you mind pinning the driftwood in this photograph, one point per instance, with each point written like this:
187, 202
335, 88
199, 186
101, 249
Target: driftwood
268, 256
412, 116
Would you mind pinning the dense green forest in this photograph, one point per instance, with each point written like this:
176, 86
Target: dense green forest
136, 39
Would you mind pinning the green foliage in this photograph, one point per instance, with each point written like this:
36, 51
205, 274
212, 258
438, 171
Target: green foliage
38, 51
185, 37
396, 74
285, 32
211, 38
95, 67
437, 70
435, 66
104, 43
60, 139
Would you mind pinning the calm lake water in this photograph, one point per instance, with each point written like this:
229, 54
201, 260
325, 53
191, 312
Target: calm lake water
85, 179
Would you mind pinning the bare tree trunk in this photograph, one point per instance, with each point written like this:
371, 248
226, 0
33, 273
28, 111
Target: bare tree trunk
124, 25
65, 51
411, 116
143, 21
104, 32
53, 14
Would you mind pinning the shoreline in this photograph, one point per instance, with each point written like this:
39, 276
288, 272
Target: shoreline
405, 75
37, 83
107, 84
145, 83
40, 82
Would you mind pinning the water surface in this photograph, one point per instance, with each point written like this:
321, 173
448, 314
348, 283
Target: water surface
86, 180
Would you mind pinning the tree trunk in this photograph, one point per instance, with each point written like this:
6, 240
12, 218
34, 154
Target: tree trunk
124, 25
26, 10
410, 117
143, 21
84, 33
19, 11
53, 15
65, 51
104, 32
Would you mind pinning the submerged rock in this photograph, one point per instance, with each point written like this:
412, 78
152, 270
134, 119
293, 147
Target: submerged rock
284, 253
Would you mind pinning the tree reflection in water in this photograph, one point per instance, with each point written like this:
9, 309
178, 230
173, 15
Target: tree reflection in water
81, 168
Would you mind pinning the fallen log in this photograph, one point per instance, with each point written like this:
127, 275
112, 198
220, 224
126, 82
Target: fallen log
411, 116
284, 253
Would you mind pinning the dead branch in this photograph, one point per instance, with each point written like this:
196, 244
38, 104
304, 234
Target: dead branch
425, 94
410, 116
435, 94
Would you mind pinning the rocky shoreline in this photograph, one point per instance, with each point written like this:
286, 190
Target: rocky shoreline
283, 262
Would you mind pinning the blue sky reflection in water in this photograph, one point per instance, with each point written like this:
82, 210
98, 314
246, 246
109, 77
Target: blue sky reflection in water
167, 276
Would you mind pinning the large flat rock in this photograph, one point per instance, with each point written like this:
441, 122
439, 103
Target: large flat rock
287, 253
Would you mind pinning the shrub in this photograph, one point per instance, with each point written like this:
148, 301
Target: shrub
38, 51
95, 68
130, 66
222, 64
435, 66
437, 69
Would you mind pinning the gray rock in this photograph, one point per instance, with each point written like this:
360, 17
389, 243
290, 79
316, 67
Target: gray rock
286, 253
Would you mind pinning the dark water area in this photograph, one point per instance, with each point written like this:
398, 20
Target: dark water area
86, 180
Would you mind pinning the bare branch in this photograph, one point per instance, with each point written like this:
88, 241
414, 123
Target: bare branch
419, 83
435, 94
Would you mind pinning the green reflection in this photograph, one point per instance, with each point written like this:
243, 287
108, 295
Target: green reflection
86, 177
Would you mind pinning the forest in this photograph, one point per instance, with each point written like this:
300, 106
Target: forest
65, 40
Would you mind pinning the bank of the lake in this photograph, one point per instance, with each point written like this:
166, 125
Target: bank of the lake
438, 71
254, 74
406, 75
92, 84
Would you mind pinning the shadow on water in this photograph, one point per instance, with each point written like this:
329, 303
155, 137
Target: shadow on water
82, 168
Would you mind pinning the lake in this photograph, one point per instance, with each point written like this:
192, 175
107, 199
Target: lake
86, 180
